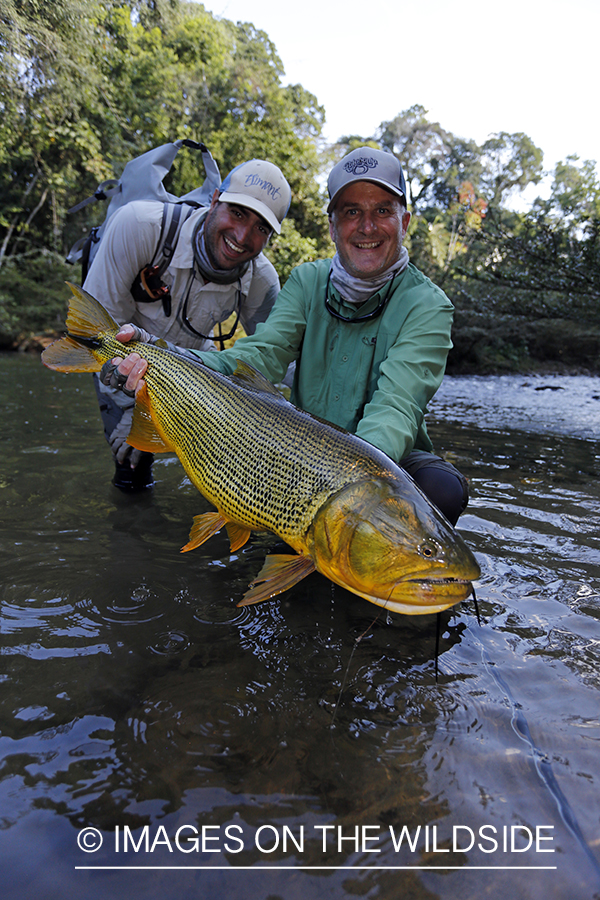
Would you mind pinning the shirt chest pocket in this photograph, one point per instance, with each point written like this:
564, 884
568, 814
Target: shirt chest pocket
353, 358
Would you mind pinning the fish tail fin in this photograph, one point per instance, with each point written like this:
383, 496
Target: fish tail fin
87, 317
66, 355
86, 320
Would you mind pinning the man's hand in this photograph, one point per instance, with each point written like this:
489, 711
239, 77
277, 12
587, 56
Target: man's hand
124, 374
124, 452
131, 332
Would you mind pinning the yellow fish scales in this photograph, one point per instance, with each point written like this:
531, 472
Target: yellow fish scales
225, 427
342, 505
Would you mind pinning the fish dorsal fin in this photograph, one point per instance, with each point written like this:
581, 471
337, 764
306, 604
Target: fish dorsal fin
278, 573
250, 378
66, 355
87, 317
144, 434
330, 424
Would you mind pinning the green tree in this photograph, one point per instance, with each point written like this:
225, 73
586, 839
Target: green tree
86, 85
545, 262
435, 162
510, 162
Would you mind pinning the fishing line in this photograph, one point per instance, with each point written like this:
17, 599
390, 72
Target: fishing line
438, 628
345, 678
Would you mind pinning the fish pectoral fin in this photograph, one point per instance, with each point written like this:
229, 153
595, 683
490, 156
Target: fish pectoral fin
203, 528
250, 378
66, 355
277, 574
238, 535
144, 434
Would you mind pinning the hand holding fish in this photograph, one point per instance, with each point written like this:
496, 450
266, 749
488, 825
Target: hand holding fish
130, 332
125, 374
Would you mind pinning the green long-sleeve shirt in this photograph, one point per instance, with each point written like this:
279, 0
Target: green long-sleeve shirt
373, 378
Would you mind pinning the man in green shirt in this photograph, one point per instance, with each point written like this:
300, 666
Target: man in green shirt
369, 333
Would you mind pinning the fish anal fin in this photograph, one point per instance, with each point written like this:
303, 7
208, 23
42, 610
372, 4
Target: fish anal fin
238, 535
203, 528
250, 378
66, 355
278, 574
144, 434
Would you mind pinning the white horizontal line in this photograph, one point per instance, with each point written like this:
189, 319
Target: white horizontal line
334, 868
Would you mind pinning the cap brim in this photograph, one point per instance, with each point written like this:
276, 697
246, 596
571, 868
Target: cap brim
383, 184
255, 205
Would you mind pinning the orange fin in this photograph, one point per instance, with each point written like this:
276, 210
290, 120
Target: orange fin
277, 574
87, 317
203, 528
238, 535
144, 434
66, 355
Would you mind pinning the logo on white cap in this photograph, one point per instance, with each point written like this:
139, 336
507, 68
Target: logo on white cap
260, 186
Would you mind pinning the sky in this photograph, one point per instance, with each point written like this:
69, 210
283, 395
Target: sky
478, 67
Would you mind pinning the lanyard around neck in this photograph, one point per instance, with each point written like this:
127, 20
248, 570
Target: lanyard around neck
367, 316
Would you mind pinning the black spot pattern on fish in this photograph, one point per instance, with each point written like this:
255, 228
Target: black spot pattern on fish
257, 458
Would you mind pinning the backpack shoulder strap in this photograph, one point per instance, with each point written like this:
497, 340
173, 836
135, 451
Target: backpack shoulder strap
147, 286
173, 217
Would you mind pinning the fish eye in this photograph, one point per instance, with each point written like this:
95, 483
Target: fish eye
429, 549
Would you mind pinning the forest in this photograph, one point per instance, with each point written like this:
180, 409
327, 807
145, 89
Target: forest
87, 85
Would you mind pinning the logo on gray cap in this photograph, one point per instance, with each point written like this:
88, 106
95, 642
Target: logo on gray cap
361, 165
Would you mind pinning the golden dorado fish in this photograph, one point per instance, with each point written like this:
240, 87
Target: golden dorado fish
341, 504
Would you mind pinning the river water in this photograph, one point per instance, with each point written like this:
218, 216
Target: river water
298, 748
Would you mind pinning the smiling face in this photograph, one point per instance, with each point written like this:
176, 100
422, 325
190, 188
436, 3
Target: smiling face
367, 226
233, 234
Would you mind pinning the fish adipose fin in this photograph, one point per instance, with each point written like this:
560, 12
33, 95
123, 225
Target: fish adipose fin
277, 575
143, 434
250, 378
238, 535
203, 528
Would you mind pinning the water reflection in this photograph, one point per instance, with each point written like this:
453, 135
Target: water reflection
138, 695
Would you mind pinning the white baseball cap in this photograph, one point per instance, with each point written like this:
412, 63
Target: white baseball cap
261, 187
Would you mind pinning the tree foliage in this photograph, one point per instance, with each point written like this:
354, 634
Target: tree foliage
85, 85
467, 236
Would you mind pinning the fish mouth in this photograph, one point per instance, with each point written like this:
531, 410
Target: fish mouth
418, 596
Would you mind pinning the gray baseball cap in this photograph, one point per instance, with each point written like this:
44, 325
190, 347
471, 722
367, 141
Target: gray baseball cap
366, 164
260, 186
